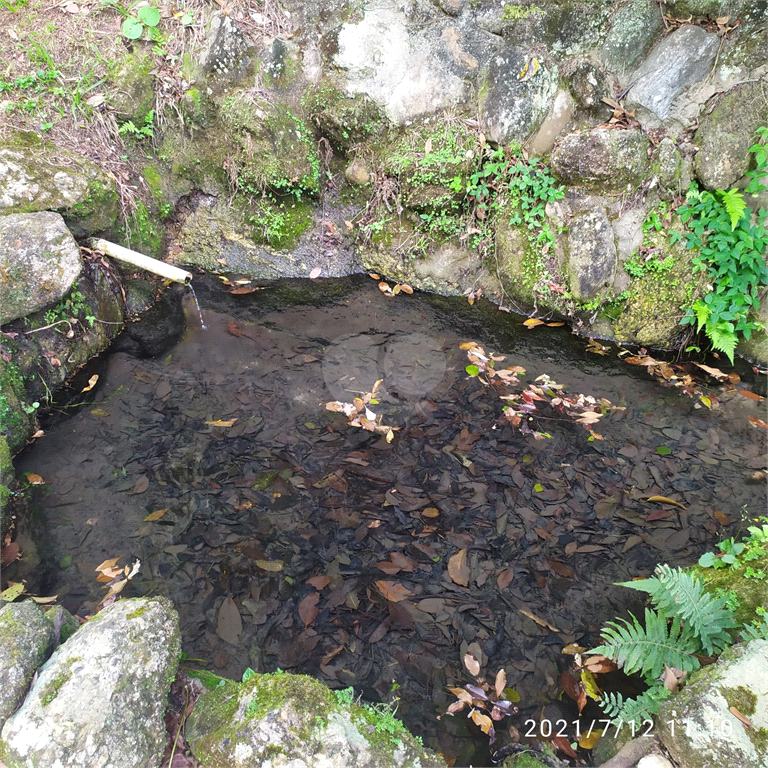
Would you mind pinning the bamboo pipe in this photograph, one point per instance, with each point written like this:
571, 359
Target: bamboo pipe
140, 260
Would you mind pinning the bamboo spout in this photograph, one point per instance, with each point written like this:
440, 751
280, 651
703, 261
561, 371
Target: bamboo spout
143, 262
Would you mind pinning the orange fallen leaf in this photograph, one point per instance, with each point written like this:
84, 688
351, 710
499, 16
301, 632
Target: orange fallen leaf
532, 322
308, 610
91, 383
665, 500
755, 422
751, 395
392, 591
318, 582
485, 722
744, 719
242, 290
221, 423
270, 565
141, 485
34, 479
155, 516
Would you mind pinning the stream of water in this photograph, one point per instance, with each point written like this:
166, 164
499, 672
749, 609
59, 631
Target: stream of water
277, 504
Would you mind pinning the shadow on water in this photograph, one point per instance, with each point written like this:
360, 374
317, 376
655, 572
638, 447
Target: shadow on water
263, 489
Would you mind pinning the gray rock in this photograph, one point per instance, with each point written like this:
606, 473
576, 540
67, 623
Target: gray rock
634, 29
356, 173
711, 9
64, 623
35, 176
587, 83
697, 726
99, 700
683, 58
554, 124
39, 261
255, 725
512, 109
726, 134
614, 160
227, 54
591, 254
397, 66
26, 637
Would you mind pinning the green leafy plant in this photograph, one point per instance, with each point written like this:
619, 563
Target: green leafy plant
732, 249
734, 554
145, 131
146, 17
686, 623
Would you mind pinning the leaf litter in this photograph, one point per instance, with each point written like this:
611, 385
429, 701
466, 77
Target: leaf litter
292, 537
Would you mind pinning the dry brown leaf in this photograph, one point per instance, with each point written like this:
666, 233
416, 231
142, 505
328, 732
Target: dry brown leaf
34, 479
541, 622
401, 560
393, 591
243, 289
430, 512
155, 516
229, 625
485, 722
744, 719
458, 569
532, 322
318, 582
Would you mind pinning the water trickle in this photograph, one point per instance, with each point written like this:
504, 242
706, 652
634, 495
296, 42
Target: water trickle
197, 304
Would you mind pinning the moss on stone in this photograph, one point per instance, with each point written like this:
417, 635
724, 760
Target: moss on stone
51, 691
143, 232
97, 213
16, 413
280, 223
133, 92
140, 611
742, 698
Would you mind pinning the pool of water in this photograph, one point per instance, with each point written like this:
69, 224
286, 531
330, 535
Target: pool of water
308, 525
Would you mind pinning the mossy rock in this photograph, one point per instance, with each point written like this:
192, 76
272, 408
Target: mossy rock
657, 301
345, 121
280, 718
17, 414
133, 91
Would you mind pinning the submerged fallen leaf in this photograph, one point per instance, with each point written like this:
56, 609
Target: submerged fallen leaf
99, 412
308, 610
141, 485
34, 479
589, 741
541, 622
755, 422
458, 569
532, 322
229, 625
393, 591
13, 591
155, 516
485, 722
270, 565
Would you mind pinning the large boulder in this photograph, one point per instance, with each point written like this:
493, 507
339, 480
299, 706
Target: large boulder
726, 134
611, 160
591, 254
293, 720
683, 58
511, 107
99, 700
635, 27
39, 262
26, 637
698, 725
36, 176
406, 72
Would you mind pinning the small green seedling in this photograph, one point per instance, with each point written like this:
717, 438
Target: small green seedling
146, 16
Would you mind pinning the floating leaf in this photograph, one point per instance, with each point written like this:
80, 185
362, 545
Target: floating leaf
221, 423
318, 582
471, 663
430, 512
500, 683
315, 273
662, 450
472, 370
91, 383
99, 412
589, 741
13, 591
44, 600
229, 625
34, 479
538, 487
532, 322
393, 591
485, 722
750, 395
155, 516
270, 565
458, 569
242, 291
665, 500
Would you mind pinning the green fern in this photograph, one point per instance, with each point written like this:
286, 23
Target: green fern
677, 593
756, 631
734, 204
647, 650
634, 711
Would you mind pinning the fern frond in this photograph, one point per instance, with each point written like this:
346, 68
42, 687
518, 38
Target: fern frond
756, 631
646, 650
677, 593
722, 339
634, 711
734, 204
